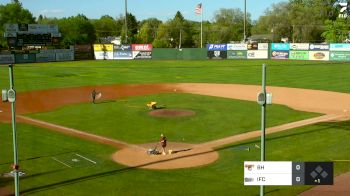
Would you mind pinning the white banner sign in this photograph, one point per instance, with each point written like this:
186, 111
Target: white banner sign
237, 47
257, 54
100, 55
319, 55
263, 46
299, 46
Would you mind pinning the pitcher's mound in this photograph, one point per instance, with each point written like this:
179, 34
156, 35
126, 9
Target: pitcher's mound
171, 113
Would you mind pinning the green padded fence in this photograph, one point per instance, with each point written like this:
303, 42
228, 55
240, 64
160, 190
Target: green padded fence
176, 54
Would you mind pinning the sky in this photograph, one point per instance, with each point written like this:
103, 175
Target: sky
142, 9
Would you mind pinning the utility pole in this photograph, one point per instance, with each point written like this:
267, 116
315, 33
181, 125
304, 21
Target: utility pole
245, 20
126, 21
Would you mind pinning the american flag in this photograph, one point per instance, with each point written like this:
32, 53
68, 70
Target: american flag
198, 8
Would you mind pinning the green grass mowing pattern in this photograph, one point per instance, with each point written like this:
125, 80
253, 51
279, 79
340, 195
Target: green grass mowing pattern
320, 142
128, 119
331, 76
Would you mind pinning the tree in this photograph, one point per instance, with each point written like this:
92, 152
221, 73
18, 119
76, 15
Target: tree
180, 28
13, 13
132, 29
106, 26
148, 30
336, 31
275, 22
163, 38
76, 30
229, 25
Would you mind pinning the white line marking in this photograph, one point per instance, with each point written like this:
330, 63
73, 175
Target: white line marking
94, 162
342, 160
61, 162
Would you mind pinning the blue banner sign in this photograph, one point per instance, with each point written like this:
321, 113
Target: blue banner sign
122, 55
339, 47
280, 46
319, 47
217, 47
122, 47
280, 54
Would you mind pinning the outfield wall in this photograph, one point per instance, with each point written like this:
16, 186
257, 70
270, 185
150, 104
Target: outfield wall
277, 51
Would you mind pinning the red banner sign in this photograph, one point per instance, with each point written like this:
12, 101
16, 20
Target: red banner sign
141, 47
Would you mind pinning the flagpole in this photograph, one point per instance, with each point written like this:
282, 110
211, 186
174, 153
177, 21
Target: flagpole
202, 27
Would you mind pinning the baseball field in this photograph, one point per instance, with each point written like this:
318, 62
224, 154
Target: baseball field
70, 146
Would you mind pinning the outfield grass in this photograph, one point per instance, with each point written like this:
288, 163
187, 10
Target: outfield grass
331, 76
128, 119
224, 177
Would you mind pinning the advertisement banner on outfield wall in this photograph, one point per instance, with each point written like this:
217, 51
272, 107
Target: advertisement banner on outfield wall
122, 55
45, 57
299, 46
319, 55
280, 54
319, 47
237, 54
299, 55
257, 54
339, 47
65, 56
280, 46
339, 56
141, 47
217, 47
217, 54
237, 47
100, 55
252, 46
263, 46
122, 47
142, 54
103, 47
7, 58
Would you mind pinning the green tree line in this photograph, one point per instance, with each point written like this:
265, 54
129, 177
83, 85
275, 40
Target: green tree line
297, 20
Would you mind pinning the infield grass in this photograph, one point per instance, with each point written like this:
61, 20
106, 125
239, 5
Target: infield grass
128, 119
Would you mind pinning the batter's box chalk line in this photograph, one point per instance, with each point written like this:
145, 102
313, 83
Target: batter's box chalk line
74, 160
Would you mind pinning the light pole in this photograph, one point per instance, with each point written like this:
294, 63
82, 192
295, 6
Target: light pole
10, 96
263, 121
245, 20
126, 21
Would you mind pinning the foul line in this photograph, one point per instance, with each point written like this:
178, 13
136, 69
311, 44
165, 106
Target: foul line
94, 162
61, 162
